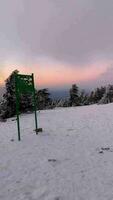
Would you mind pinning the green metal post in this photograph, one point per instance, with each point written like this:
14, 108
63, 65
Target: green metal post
36, 123
17, 108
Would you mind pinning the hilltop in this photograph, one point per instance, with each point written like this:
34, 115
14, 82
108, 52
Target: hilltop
71, 159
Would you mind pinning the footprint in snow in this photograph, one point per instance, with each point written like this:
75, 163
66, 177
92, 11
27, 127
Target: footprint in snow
53, 162
103, 149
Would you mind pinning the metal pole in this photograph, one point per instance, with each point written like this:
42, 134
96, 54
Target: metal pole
17, 107
34, 99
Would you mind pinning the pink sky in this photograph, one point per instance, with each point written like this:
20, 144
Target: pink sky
57, 75
61, 42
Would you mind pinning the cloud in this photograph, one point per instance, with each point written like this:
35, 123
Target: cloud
61, 41
107, 76
75, 32
102, 79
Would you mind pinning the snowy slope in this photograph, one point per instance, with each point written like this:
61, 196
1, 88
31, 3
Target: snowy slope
72, 159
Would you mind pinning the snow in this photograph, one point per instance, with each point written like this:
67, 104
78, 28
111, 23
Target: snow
72, 159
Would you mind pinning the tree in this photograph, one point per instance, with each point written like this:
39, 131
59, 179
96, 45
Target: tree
107, 96
83, 97
62, 102
8, 103
74, 96
91, 98
26, 103
98, 94
43, 99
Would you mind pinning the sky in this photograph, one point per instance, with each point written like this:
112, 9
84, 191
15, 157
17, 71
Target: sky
61, 41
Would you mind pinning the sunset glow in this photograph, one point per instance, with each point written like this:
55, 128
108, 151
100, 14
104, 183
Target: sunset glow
61, 42
57, 75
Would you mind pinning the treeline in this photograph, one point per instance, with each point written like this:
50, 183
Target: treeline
76, 97
102, 95
8, 102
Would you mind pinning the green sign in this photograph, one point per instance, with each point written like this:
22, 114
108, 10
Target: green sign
24, 84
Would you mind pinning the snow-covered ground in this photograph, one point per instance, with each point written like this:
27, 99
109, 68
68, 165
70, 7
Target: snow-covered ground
72, 159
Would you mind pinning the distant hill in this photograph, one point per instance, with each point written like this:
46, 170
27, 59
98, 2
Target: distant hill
56, 94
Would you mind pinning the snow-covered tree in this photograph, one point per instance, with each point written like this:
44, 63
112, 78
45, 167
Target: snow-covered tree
8, 102
107, 96
83, 97
62, 102
43, 99
74, 96
26, 103
8, 105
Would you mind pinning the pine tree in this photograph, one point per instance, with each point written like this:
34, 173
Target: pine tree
83, 97
43, 99
98, 94
8, 105
74, 96
107, 96
26, 103
91, 98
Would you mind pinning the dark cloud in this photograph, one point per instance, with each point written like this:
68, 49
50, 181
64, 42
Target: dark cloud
70, 31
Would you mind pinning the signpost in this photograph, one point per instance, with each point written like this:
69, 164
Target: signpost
24, 84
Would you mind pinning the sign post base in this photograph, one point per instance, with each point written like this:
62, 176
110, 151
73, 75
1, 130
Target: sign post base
38, 130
